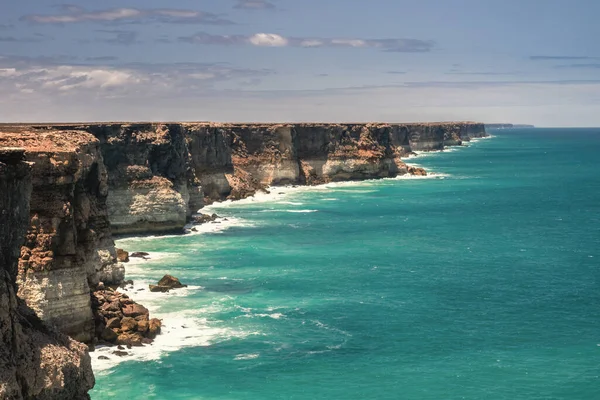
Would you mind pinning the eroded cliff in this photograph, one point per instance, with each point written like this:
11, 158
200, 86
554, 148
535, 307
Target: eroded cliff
68, 245
160, 174
36, 362
152, 187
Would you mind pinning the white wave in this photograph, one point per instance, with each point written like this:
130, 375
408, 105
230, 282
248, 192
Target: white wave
292, 203
179, 330
250, 356
331, 199
302, 211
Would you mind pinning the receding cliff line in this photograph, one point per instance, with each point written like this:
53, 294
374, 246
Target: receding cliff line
159, 174
36, 362
73, 185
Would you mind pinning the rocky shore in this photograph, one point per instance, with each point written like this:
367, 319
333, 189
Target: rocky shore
66, 189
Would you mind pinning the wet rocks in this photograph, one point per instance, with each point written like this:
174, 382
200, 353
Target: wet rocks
119, 320
159, 289
204, 218
416, 171
122, 255
139, 254
167, 283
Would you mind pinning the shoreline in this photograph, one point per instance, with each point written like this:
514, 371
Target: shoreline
180, 330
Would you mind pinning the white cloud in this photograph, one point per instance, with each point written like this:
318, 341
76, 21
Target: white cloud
349, 42
77, 14
275, 40
268, 40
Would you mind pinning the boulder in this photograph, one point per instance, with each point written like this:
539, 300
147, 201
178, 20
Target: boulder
103, 358
153, 328
204, 218
128, 324
130, 339
139, 254
133, 310
122, 255
159, 288
417, 171
171, 282
109, 335
120, 353
113, 323
143, 326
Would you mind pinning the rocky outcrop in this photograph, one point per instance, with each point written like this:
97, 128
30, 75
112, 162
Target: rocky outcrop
36, 362
68, 245
120, 320
167, 283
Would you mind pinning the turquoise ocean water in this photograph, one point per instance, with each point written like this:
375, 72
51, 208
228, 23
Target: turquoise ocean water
481, 282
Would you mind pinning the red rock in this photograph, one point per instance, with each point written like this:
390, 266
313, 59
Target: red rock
122, 255
154, 328
128, 324
130, 339
143, 326
113, 323
170, 282
133, 310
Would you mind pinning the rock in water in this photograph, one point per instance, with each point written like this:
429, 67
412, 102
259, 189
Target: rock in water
171, 282
122, 255
159, 289
417, 171
139, 254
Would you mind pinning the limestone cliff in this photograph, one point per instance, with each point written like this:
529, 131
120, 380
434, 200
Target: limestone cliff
152, 187
36, 362
68, 245
253, 156
159, 174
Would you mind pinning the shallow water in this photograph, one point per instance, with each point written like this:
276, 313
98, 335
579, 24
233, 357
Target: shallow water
481, 281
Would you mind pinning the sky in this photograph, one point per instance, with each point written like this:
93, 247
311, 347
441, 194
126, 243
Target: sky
519, 61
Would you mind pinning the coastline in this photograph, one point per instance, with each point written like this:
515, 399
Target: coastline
181, 329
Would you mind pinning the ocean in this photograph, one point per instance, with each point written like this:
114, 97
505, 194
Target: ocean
481, 281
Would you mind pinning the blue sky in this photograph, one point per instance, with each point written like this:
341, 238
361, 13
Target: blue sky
526, 61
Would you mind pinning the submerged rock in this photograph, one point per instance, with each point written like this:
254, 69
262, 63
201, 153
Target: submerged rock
139, 254
159, 289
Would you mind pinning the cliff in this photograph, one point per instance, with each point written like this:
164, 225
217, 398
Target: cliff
152, 187
36, 362
159, 174
68, 245
235, 160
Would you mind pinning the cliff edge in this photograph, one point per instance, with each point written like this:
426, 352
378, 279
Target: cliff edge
36, 362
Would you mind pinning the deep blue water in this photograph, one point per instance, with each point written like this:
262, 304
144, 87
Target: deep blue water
480, 283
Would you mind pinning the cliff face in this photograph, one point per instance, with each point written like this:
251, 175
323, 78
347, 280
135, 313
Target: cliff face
68, 246
160, 174
36, 362
275, 154
152, 187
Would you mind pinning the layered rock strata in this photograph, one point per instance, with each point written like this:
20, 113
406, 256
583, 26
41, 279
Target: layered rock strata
160, 174
152, 185
68, 245
36, 362
235, 160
